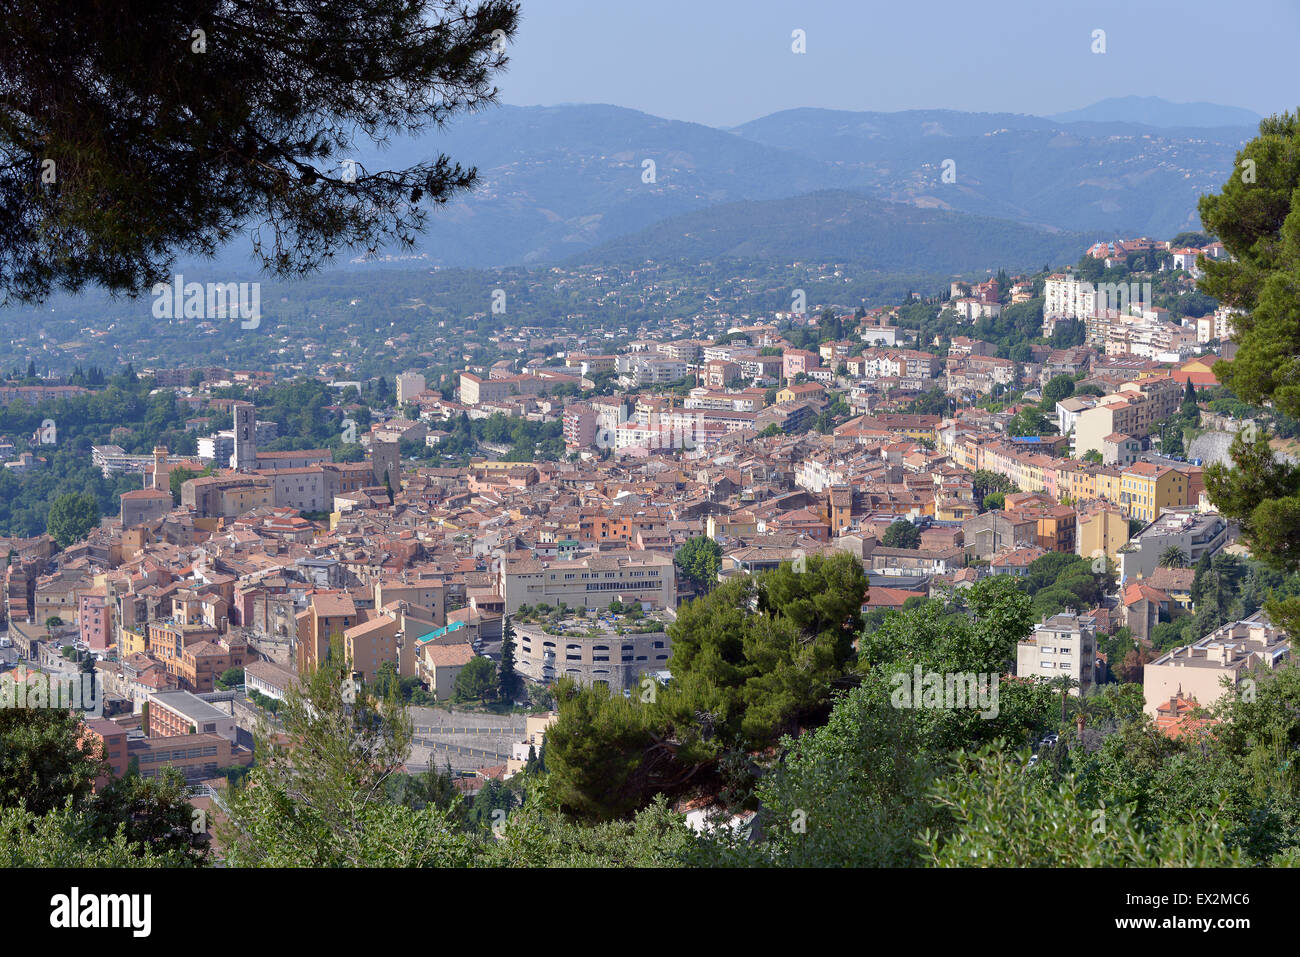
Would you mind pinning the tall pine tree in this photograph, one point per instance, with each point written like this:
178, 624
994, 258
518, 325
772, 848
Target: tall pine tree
508, 679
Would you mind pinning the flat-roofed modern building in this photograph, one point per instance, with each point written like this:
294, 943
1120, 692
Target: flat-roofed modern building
196, 756
174, 713
1197, 671
641, 576
1196, 533
608, 658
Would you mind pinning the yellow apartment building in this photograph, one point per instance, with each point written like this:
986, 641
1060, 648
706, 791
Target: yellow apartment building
1103, 528
1146, 488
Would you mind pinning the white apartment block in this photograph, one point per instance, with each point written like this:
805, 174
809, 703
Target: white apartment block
750, 400
656, 370
1068, 298
409, 385
1064, 645
900, 363
1218, 325
971, 309
817, 476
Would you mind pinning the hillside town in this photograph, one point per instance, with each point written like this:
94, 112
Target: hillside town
202, 608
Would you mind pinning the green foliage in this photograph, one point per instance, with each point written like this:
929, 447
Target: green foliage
1058, 388
508, 680
851, 793
985, 481
1258, 220
699, 561
599, 752
477, 681
1030, 420
50, 816
319, 798
62, 838
750, 660
1259, 224
262, 701
433, 788
72, 517
901, 534
536, 835
42, 762
154, 814
1004, 817
1173, 557
1261, 493
140, 421
493, 797
1060, 580
949, 641
268, 153
178, 476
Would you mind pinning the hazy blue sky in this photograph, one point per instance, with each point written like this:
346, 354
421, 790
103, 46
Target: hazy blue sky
723, 62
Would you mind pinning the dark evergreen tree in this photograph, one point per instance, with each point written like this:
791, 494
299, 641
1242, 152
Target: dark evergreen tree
507, 677
190, 119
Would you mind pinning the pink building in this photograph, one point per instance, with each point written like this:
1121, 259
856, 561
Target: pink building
95, 619
794, 361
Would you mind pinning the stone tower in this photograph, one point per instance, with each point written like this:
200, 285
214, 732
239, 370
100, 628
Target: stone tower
161, 470
245, 456
385, 459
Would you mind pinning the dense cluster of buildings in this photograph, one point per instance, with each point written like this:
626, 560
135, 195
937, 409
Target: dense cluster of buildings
277, 557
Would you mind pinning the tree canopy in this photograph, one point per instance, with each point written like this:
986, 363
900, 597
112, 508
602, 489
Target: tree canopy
901, 534
1257, 217
698, 561
168, 127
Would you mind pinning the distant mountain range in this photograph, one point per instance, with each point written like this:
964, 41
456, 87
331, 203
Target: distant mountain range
563, 181
1154, 111
841, 226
